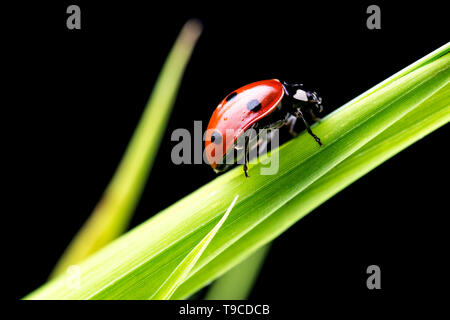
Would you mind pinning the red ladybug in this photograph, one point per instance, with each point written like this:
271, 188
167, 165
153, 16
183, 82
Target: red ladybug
262, 104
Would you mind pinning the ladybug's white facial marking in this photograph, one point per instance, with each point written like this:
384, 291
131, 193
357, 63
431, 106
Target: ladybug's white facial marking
301, 95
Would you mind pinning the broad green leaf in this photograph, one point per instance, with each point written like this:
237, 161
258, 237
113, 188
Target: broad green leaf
113, 212
357, 137
182, 270
423, 120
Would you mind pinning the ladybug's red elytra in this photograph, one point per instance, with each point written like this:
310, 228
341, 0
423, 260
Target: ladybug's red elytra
262, 104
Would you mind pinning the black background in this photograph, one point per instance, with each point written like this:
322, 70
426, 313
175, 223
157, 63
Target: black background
77, 96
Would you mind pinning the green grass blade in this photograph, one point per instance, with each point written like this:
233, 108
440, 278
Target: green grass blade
399, 136
182, 270
113, 212
238, 282
357, 138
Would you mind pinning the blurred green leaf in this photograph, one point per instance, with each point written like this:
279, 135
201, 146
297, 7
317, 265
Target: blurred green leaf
237, 283
112, 214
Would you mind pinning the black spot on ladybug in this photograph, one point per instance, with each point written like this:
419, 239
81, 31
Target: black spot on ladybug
253, 105
231, 96
216, 137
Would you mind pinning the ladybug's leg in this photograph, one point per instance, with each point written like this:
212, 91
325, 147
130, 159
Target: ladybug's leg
313, 116
246, 155
291, 124
298, 113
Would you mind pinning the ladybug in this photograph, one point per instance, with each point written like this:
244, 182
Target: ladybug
265, 104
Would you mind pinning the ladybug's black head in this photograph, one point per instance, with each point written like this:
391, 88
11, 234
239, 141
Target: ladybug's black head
315, 100
298, 93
